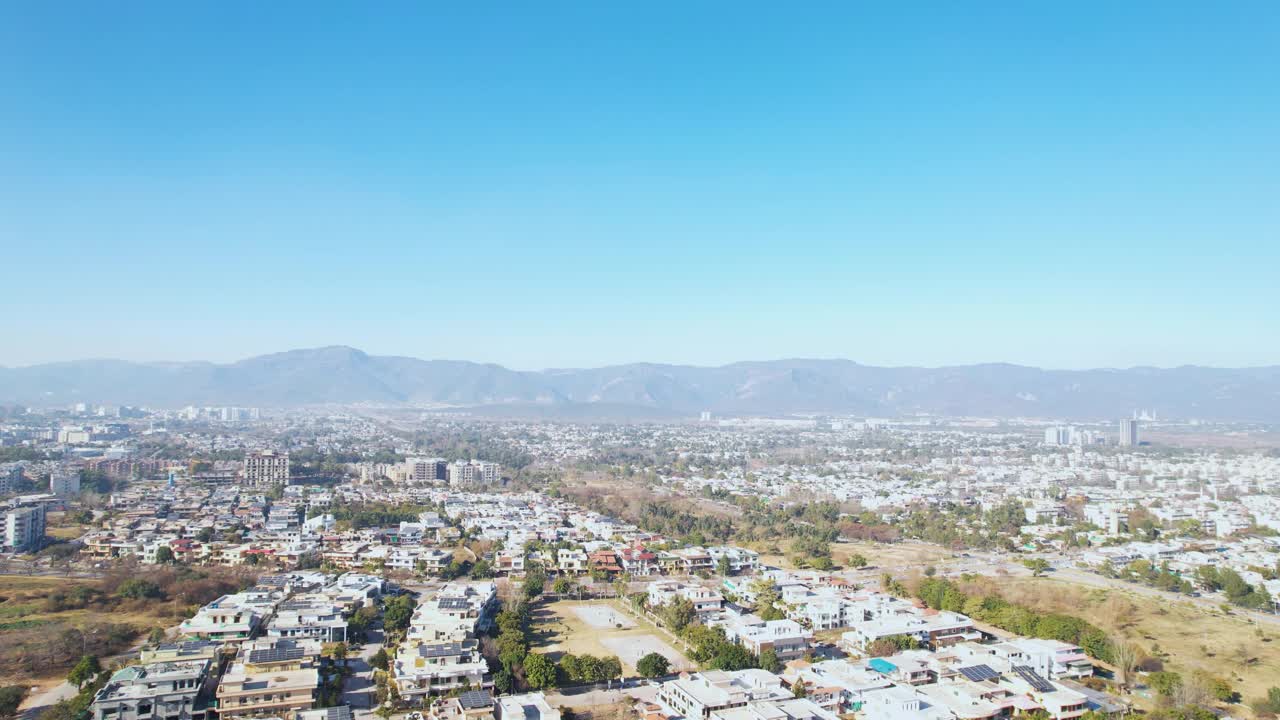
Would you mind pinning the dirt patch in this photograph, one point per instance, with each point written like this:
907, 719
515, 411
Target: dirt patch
603, 616
590, 628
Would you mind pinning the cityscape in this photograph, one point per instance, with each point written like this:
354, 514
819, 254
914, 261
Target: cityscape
308, 563
639, 361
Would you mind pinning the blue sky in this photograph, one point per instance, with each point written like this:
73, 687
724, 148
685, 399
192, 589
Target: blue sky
547, 184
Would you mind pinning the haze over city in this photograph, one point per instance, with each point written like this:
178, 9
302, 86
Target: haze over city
661, 361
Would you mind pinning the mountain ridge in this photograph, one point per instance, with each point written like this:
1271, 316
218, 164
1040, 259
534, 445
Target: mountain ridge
345, 375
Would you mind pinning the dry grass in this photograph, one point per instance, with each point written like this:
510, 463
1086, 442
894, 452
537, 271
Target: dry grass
880, 556
1186, 636
27, 620
66, 532
559, 629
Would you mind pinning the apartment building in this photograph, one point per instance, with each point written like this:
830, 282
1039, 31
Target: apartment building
266, 469
22, 527
64, 481
10, 478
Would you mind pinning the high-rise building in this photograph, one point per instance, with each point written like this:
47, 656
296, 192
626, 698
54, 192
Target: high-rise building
265, 469
1129, 433
474, 473
10, 478
1059, 435
22, 528
65, 480
427, 470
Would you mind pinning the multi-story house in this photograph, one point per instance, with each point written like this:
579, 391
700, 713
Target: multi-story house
175, 690
434, 668
271, 677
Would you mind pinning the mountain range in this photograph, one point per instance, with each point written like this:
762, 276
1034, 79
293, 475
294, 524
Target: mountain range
344, 375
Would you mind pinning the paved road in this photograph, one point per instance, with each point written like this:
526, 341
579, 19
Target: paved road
33, 705
358, 691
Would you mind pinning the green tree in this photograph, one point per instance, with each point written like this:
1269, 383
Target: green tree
336, 651
769, 661
539, 672
11, 696
857, 560
562, 585
1037, 566
653, 665
1270, 704
731, 656
610, 668
397, 613
768, 600
380, 659
723, 566
1165, 682
534, 582
139, 589
678, 614
570, 668
84, 671
164, 555
503, 681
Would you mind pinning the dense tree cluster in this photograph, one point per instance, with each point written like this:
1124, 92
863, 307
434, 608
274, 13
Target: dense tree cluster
1237, 590
377, 514
942, 594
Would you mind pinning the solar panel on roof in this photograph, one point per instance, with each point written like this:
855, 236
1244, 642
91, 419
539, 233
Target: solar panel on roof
1033, 679
475, 699
978, 673
341, 712
285, 654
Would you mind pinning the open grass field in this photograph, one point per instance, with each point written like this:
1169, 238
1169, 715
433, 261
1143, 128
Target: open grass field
66, 532
600, 628
1185, 636
28, 621
896, 556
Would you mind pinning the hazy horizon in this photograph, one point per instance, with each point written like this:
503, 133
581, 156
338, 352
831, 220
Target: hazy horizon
779, 359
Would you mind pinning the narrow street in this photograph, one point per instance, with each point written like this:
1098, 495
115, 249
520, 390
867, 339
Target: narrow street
358, 691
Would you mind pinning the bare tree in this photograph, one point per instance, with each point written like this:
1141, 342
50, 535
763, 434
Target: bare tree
1124, 656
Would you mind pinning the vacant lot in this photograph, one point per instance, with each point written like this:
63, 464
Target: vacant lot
1185, 636
592, 628
48, 623
896, 557
603, 615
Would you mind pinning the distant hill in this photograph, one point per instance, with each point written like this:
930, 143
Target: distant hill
643, 390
